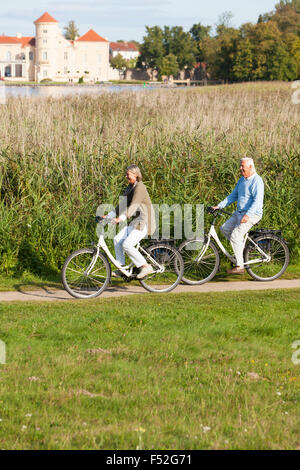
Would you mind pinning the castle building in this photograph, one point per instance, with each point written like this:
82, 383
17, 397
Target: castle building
50, 55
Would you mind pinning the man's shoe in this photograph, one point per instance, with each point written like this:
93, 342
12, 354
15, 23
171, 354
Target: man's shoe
145, 271
236, 270
117, 273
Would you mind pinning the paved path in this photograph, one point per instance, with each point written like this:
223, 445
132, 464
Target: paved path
117, 291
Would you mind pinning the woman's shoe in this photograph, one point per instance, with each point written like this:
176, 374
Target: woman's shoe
145, 271
236, 270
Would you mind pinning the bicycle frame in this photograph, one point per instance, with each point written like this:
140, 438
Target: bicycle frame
213, 234
126, 270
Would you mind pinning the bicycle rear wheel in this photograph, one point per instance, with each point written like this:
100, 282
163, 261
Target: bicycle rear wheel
273, 246
78, 281
197, 271
172, 263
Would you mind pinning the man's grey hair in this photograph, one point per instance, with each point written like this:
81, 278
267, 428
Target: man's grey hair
249, 161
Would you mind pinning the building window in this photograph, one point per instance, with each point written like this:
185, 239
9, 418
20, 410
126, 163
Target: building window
8, 55
7, 71
66, 56
44, 41
45, 73
45, 56
30, 55
45, 31
18, 70
65, 70
20, 56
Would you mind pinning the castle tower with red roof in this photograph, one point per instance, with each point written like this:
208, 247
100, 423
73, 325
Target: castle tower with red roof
47, 40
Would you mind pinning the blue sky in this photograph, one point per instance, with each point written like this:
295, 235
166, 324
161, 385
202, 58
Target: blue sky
126, 19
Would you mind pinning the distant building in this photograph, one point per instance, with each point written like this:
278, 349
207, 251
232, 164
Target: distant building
127, 49
49, 54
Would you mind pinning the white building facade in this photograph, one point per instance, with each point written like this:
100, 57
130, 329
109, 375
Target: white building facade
128, 50
49, 55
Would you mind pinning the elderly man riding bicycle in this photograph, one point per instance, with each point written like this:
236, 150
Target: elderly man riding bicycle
249, 194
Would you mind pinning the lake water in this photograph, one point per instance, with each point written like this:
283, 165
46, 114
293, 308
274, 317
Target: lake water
69, 90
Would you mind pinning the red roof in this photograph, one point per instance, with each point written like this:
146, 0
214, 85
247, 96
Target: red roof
45, 18
8, 40
91, 36
25, 41
123, 46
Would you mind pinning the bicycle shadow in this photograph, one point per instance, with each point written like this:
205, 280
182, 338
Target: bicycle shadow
125, 288
49, 291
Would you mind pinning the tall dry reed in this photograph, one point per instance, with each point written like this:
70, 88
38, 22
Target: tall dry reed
61, 157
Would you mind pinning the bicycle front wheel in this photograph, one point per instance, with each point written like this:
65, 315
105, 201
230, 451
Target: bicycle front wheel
278, 251
84, 276
198, 271
168, 274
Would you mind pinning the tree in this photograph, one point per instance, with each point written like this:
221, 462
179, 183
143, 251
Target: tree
224, 21
243, 61
222, 54
152, 48
198, 33
292, 42
71, 31
169, 65
280, 64
286, 16
119, 63
273, 55
122, 65
160, 43
181, 44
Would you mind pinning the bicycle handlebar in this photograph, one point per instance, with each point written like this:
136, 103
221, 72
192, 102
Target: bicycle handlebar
216, 212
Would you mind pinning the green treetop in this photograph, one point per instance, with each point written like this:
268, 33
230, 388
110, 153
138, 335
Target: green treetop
71, 31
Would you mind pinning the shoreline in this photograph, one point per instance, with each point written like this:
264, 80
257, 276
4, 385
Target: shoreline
71, 85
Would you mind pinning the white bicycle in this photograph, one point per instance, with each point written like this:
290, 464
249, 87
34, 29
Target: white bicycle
266, 254
86, 273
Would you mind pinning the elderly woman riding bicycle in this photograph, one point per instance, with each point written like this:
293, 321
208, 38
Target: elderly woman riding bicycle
135, 201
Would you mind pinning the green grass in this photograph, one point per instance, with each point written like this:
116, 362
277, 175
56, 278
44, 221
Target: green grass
197, 371
29, 281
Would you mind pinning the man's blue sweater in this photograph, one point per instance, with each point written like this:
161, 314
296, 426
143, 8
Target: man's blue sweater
249, 194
